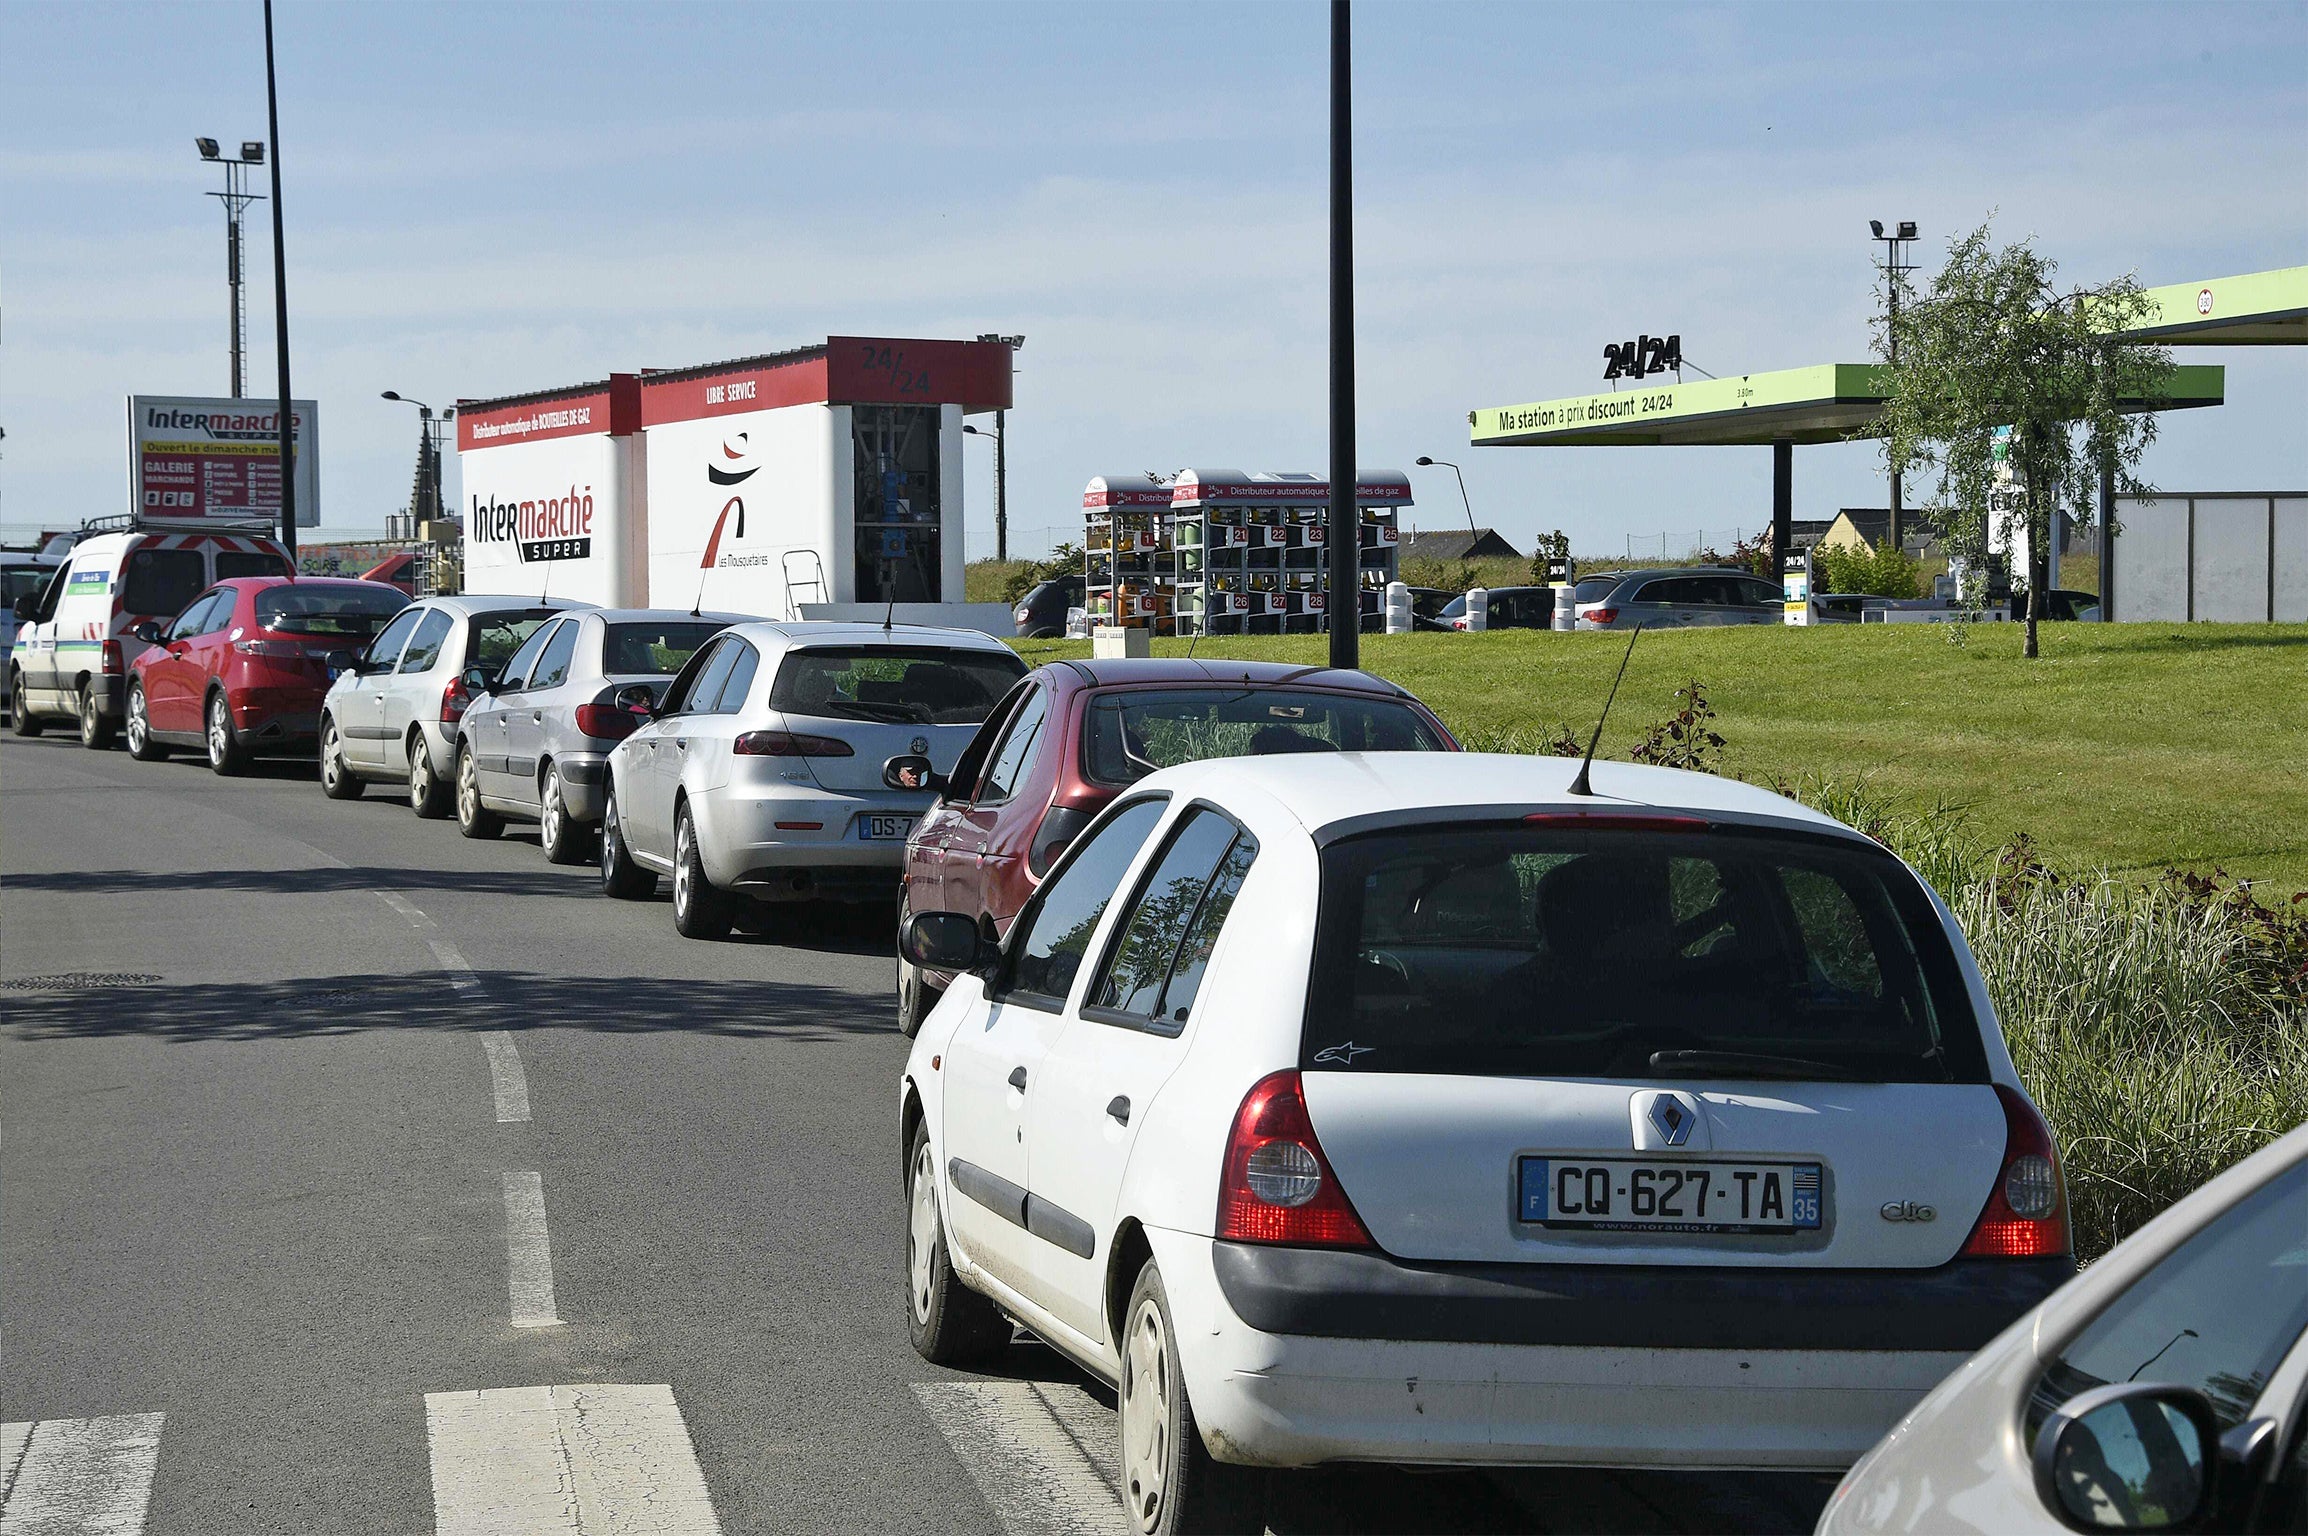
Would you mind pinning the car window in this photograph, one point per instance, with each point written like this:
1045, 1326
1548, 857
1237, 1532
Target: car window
705, 690
1156, 963
317, 608
1130, 733
552, 668
739, 682
425, 645
1658, 592
659, 648
1055, 930
21, 582
1532, 950
492, 638
386, 648
971, 765
2218, 1313
1017, 748
524, 661
894, 684
195, 616
1762, 594
161, 580
237, 562
684, 685
1456, 608
1594, 589
218, 614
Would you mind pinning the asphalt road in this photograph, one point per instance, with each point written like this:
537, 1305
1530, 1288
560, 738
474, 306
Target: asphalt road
355, 1176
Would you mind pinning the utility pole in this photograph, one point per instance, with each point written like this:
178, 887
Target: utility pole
1895, 275
288, 463
1345, 608
236, 197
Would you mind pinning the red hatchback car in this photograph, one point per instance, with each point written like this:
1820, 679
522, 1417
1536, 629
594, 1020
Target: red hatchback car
242, 669
1074, 734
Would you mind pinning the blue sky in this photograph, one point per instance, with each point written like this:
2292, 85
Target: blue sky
487, 198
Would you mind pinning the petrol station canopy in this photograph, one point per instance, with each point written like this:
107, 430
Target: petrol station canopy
2257, 309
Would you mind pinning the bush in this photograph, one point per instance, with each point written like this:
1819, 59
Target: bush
1883, 572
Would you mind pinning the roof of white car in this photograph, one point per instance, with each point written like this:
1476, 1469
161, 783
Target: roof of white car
1322, 790
846, 632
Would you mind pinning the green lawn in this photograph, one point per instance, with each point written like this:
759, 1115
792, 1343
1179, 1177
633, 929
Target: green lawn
2125, 747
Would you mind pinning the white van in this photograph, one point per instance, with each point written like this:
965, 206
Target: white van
71, 655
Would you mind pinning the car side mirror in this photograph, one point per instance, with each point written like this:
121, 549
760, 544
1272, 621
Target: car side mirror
476, 680
148, 632
946, 941
636, 699
911, 770
2134, 1456
341, 662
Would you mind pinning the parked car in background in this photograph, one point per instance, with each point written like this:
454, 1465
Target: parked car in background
1374, 1107
759, 774
1508, 608
533, 743
1681, 598
2166, 1388
394, 713
1075, 734
1426, 608
242, 670
1041, 613
71, 658
23, 577
2059, 603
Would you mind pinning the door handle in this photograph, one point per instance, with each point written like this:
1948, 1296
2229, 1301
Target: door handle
682, 743
1119, 1108
1018, 1079
537, 719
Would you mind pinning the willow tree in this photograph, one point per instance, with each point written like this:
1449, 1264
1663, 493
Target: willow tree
1993, 344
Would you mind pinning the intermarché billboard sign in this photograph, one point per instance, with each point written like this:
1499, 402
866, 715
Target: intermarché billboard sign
194, 456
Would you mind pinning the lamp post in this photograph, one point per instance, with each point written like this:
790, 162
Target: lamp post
1425, 463
1894, 274
425, 507
235, 198
1001, 437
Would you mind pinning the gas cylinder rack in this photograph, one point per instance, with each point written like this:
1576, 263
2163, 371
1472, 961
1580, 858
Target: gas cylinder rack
1129, 567
1252, 549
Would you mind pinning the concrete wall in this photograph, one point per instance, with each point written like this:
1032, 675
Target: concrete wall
2229, 557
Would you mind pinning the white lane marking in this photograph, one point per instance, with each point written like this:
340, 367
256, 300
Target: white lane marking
1041, 1454
406, 908
592, 1460
77, 1477
528, 1253
506, 1079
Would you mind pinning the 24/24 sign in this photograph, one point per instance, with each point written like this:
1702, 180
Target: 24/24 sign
1644, 355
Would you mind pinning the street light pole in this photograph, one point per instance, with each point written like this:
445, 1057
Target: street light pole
1001, 436
1424, 462
1345, 610
288, 463
428, 499
1895, 273
235, 197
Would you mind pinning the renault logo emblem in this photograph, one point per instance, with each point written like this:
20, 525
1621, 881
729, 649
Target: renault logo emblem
1672, 1119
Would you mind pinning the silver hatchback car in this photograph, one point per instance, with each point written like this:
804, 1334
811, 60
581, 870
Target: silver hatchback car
1681, 597
535, 739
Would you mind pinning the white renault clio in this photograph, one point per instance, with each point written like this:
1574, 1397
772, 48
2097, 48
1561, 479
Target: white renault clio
1373, 1107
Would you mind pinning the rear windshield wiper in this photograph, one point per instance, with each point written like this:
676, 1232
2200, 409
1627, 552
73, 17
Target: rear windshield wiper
1745, 1064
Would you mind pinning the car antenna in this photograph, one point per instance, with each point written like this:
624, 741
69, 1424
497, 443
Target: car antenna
1581, 784
889, 613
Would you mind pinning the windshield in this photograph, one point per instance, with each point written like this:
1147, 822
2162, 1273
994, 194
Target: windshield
656, 646
1528, 950
18, 583
1129, 735
894, 685
313, 609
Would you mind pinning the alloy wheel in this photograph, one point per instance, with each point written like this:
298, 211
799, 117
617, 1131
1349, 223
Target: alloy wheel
468, 789
1145, 1415
922, 1232
219, 733
684, 884
552, 823
420, 777
139, 728
332, 765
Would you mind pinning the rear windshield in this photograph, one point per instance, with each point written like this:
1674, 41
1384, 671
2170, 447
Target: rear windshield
234, 562
319, 610
1594, 589
896, 685
162, 581
1130, 735
1516, 950
654, 647
496, 636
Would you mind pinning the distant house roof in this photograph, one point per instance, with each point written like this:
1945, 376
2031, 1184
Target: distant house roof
1871, 524
1803, 532
1480, 544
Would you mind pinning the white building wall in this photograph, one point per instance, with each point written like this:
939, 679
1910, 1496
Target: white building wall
722, 542
586, 555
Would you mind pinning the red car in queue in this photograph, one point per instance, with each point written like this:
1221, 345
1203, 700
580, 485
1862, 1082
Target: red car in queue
1074, 734
241, 671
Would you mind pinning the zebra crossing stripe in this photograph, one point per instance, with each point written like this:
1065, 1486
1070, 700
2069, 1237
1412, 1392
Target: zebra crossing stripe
78, 1477
589, 1460
1041, 1453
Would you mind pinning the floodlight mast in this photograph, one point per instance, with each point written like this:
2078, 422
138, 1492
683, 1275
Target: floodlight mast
236, 197
1895, 271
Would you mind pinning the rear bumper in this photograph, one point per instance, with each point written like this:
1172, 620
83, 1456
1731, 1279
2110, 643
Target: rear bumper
583, 779
744, 847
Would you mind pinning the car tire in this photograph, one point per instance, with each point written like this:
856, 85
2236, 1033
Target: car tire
699, 911
141, 744
428, 796
564, 839
96, 732
338, 781
916, 997
20, 717
1170, 1482
226, 755
621, 877
949, 1323
474, 819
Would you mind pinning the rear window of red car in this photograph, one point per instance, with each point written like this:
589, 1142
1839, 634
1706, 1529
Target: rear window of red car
1131, 733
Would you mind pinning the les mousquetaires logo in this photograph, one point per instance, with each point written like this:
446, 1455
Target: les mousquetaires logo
733, 470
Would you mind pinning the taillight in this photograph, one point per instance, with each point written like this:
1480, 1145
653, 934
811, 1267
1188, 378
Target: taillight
1601, 615
789, 744
1276, 1186
606, 722
454, 700
2027, 1213
268, 648
110, 657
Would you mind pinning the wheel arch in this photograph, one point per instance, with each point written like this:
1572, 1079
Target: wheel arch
910, 1117
1125, 1257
